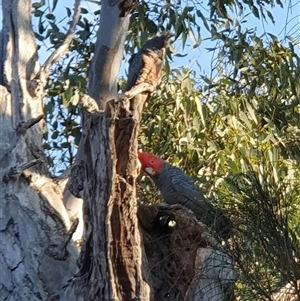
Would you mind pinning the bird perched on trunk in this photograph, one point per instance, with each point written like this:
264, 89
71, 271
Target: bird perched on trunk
145, 72
177, 188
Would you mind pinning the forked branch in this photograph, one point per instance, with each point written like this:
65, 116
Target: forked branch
24, 126
15, 172
63, 48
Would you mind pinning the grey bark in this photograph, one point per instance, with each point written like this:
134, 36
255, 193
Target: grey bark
1, 56
104, 176
33, 222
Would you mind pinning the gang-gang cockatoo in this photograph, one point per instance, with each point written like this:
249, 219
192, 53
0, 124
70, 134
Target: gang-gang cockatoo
177, 188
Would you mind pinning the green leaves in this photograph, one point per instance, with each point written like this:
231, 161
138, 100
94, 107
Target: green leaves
238, 135
67, 80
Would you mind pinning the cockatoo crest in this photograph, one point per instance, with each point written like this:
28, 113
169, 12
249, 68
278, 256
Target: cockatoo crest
150, 163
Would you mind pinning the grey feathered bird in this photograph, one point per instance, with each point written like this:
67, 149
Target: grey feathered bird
145, 71
177, 188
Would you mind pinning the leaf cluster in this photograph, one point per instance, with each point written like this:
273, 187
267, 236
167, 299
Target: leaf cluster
237, 134
67, 81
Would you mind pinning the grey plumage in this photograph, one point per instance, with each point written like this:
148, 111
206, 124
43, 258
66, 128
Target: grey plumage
177, 188
145, 66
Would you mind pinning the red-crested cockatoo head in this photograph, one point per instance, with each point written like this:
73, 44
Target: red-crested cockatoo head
150, 164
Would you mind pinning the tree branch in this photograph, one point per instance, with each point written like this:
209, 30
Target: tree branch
124, 99
25, 125
140, 88
63, 48
59, 252
14, 172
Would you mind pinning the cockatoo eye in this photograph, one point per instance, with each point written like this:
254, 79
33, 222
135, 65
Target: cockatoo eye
150, 171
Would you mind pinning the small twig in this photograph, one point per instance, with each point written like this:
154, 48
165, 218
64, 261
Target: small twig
63, 48
25, 125
15, 172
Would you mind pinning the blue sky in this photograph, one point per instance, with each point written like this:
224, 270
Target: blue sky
289, 14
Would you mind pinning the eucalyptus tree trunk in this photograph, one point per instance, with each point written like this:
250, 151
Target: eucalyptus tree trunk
33, 221
104, 176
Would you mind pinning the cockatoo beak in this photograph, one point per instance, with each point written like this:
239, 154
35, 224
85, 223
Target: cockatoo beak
150, 171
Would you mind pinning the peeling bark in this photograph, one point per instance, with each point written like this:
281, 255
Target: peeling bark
33, 222
112, 247
106, 170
